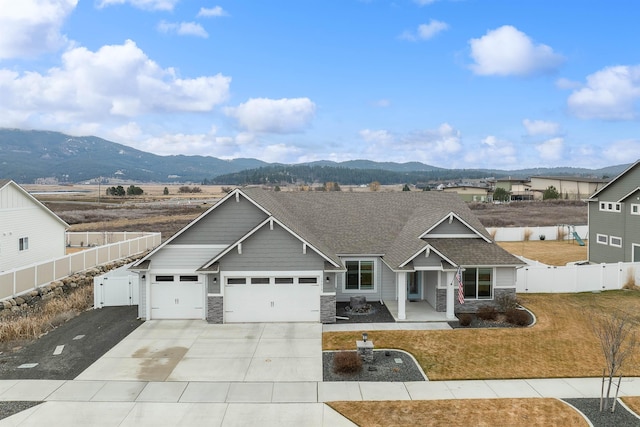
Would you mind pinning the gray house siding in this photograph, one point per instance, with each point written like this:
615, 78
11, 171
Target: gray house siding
388, 284
622, 186
505, 277
225, 225
271, 250
433, 260
456, 227
182, 257
430, 287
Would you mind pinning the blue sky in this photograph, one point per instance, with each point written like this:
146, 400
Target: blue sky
452, 83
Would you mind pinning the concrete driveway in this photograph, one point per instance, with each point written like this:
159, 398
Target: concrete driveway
192, 350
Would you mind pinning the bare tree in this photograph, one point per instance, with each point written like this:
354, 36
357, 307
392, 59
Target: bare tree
617, 338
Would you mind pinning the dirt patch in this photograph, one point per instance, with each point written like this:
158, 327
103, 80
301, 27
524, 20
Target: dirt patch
530, 214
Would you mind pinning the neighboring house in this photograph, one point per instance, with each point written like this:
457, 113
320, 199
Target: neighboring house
519, 189
260, 256
569, 187
614, 219
29, 231
470, 193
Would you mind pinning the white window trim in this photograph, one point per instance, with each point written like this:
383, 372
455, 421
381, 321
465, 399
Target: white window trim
493, 284
633, 247
23, 244
376, 269
614, 244
610, 207
634, 205
604, 241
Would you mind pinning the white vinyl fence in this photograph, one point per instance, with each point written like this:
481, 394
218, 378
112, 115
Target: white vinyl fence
517, 234
576, 278
25, 279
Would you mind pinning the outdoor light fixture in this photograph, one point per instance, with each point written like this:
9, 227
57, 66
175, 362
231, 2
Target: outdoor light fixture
215, 280
327, 279
365, 336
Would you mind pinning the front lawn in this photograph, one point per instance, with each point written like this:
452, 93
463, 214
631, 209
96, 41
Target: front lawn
560, 345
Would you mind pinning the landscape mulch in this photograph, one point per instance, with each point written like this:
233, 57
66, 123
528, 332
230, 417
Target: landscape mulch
389, 366
377, 314
591, 409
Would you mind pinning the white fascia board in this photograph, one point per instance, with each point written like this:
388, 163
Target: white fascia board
615, 179
626, 196
446, 218
37, 202
431, 248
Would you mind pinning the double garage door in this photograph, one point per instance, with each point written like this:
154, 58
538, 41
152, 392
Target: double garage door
183, 300
272, 299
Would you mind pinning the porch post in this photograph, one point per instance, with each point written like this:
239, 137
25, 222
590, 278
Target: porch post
401, 283
451, 292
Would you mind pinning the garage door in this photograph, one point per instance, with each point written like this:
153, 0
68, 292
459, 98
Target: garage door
272, 299
177, 301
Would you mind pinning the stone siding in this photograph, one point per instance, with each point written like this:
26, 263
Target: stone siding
215, 309
328, 309
471, 306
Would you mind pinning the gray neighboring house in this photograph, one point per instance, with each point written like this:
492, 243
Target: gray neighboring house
264, 256
614, 219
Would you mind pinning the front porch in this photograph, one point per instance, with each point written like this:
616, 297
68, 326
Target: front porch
416, 311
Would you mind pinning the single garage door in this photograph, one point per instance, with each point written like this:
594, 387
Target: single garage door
272, 299
177, 300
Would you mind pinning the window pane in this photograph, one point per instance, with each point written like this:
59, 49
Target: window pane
366, 275
284, 280
236, 281
484, 282
164, 278
259, 280
469, 282
352, 274
308, 280
188, 278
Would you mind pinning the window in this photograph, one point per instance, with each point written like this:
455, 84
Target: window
236, 281
610, 207
307, 280
259, 280
188, 278
478, 283
23, 243
615, 241
603, 239
635, 209
164, 278
283, 280
359, 275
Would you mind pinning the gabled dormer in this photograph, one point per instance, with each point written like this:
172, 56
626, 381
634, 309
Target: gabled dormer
452, 226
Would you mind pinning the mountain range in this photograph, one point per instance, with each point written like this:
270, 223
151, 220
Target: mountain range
26, 155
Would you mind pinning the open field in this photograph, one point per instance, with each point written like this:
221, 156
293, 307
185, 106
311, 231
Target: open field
464, 412
551, 252
561, 344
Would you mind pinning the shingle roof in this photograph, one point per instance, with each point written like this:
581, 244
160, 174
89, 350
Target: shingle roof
369, 223
474, 252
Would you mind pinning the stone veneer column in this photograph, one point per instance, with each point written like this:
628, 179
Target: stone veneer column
215, 309
328, 308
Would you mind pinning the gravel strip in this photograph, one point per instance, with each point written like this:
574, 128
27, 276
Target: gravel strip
591, 409
387, 368
10, 408
378, 314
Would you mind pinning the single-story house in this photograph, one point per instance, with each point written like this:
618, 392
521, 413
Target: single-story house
260, 256
29, 231
471, 193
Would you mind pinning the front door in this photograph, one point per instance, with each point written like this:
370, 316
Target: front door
413, 286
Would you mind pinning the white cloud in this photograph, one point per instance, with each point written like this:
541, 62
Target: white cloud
381, 103
429, 146
508, 51
287, 115
492, 152
540, 127
113, 83
551, 149
424, 2
142, 4
425, 31
183, 28
610, 94
32, 27
625, 151
212, 12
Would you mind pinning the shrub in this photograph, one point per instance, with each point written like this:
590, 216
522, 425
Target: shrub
561, 233
517, 317
346, 362
487, 312
630, 283
527, 234
506, 302
465, 319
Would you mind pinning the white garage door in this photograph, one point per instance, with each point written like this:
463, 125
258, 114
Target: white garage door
177, 301
272, 299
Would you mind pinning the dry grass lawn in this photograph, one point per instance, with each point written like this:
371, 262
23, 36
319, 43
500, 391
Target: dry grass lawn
467, 412
551, 252
633, 402
561, 344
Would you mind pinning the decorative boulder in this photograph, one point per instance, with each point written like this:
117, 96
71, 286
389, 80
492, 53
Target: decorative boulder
357, 302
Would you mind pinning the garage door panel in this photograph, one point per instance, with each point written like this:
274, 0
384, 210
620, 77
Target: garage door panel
177, 301
272, 303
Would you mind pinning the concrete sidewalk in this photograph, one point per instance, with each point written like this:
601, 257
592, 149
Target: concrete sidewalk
121, 403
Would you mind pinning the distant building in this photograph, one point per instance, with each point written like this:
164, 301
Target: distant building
470, 193
569, 187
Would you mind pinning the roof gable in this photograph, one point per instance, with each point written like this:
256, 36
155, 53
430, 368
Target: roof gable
452, 226
7, 185
617, 187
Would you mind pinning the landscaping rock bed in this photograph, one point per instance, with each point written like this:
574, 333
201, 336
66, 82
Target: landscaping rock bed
500, 322
378, 313
13, 407
387, 368
591, 409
